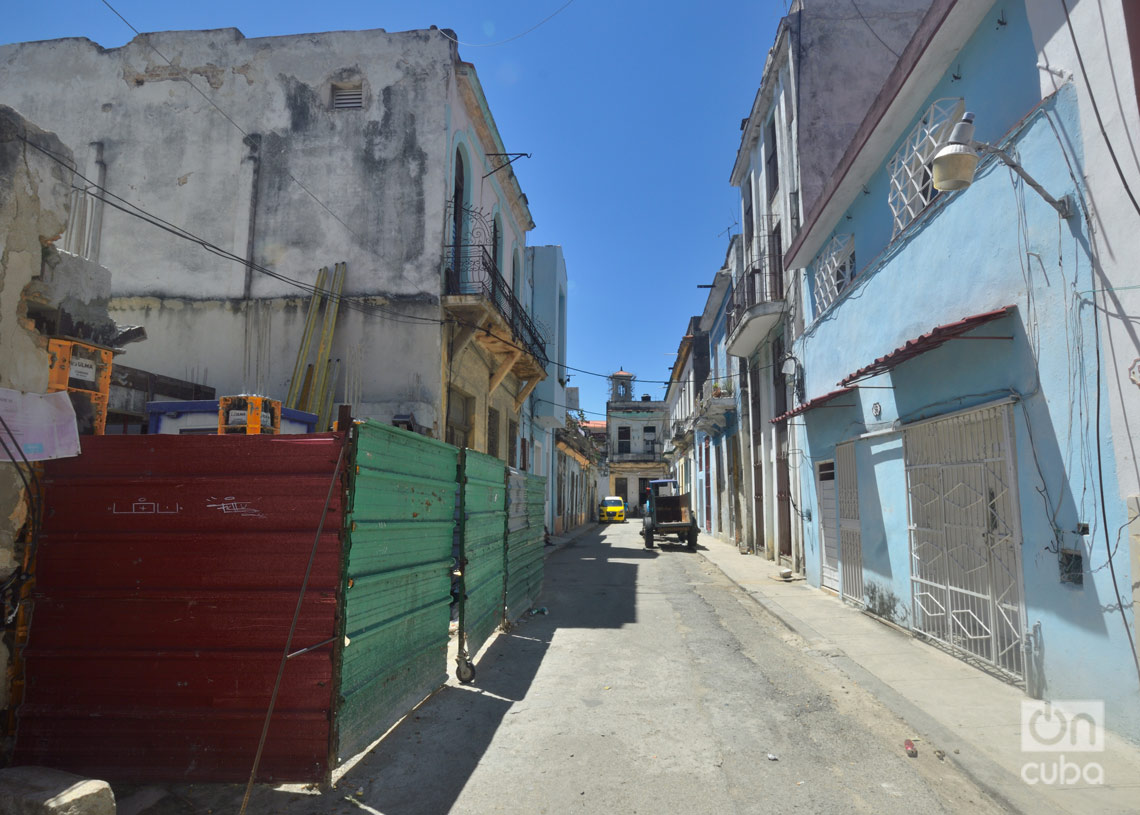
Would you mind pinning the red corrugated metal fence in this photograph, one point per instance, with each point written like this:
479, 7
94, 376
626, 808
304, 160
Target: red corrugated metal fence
167, 576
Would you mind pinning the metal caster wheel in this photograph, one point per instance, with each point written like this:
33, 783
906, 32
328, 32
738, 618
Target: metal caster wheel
465, 672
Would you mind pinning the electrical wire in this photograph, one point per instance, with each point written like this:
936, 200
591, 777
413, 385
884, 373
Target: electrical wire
229, 118
356, 303
544, 20
1100, 124
872, 30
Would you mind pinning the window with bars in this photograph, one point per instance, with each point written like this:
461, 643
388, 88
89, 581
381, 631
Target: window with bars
911, 180
345, 97
492, 432
833, 271
623, 440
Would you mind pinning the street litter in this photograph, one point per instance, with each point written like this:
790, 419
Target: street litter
773, 757
534, 611
941, 756
911, 750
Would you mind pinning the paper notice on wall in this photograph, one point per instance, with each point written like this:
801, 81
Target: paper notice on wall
41, 425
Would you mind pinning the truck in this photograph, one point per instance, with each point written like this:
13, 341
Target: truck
669, 512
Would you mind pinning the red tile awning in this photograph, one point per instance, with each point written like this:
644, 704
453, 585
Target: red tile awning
926, 342
811, 403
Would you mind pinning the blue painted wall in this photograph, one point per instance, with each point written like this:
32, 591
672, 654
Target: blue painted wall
996, 244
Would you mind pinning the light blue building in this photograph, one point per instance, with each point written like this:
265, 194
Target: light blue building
546, 272
719, 498
955, 447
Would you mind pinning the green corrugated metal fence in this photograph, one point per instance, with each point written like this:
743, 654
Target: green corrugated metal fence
482, 523
525, 538
397, 586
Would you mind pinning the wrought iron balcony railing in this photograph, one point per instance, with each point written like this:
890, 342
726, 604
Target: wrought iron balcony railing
472, 270
758, 285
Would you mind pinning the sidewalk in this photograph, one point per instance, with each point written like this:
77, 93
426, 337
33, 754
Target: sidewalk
971, 716
556, 542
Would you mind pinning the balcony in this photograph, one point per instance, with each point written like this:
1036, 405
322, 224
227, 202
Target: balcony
478, 297
633, 458
716, 403
757, 305
682, 437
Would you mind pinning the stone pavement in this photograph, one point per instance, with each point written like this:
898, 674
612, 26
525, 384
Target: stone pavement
973, 717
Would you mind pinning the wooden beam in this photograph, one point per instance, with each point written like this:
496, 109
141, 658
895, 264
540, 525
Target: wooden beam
525, 392
462, 338
504, 369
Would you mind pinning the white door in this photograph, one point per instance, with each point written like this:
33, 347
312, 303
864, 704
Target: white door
850, 534
828, 526
965, 535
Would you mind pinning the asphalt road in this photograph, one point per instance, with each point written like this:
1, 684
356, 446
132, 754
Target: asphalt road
653, 684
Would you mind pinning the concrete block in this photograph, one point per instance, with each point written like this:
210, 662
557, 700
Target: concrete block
42, 791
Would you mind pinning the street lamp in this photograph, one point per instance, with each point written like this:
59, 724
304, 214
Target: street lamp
955, 163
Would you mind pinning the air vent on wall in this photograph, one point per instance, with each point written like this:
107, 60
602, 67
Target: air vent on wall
343, 98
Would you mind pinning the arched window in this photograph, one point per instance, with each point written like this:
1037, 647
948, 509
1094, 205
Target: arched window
457, 226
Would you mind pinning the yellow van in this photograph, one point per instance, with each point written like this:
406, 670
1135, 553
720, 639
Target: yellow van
613, 509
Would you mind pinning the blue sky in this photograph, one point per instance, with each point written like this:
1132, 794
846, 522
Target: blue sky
630, 108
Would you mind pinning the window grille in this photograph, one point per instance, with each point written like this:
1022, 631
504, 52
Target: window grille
343, 98
912, 187
834, 270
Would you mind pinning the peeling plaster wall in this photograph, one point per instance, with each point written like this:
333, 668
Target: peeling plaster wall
33, 212
305, 186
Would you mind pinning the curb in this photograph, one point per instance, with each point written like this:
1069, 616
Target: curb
569, 539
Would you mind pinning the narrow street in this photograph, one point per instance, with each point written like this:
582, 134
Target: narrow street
652, 684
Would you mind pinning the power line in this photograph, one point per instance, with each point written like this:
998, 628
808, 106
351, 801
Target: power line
229, 118
869, 28
1096, 112
544, 20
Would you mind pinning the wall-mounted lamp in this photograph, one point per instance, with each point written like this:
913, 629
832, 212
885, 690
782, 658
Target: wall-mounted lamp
955, 163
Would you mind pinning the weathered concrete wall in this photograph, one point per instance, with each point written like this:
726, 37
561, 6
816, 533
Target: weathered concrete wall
843, 57
34, 191
299, 186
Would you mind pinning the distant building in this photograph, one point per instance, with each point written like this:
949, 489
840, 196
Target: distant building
635, 438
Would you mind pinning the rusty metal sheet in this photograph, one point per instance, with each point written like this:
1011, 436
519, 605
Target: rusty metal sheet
525, 540
398, 580
167, 576
482, 546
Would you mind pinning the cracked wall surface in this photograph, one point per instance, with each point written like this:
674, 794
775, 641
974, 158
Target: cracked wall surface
300, 185
34, 192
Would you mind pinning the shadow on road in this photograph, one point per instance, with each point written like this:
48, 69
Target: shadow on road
423, 764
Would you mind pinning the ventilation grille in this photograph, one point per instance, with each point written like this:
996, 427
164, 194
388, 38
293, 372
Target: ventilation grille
347, 98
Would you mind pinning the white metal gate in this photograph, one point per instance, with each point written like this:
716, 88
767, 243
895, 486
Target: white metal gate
850, 536
965, 535
828, 526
